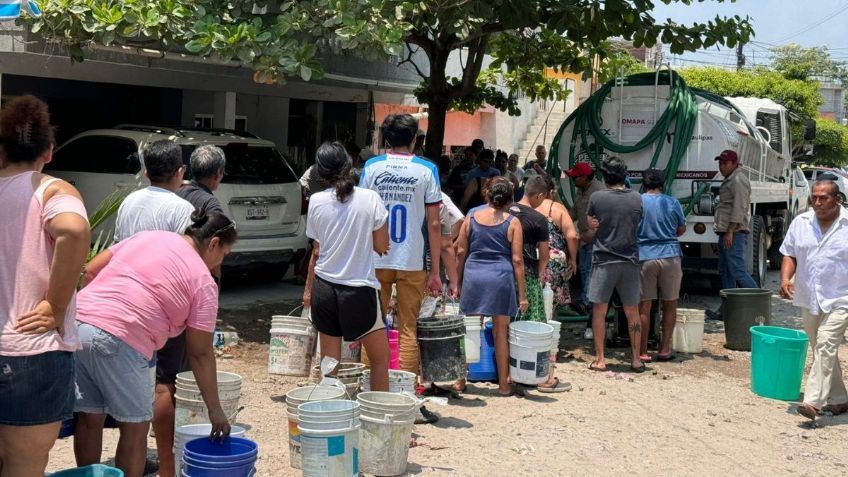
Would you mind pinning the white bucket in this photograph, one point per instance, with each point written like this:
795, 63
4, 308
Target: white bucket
557, 326
688, 334
183, 434
191, 409
399, 381
295, 398
385, 433
472, 339
530, 352
292, 340
329, 444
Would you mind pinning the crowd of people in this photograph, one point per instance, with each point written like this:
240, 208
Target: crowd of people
109, 336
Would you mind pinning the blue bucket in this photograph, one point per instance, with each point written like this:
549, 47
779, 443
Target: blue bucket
234, 457
96, 470
486, 369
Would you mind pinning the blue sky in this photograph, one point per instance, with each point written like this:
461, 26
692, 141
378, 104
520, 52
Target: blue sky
776, 22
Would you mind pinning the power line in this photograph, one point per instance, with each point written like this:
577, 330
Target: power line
816, 23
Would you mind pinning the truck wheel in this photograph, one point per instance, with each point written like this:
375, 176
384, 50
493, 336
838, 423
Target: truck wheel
759, 255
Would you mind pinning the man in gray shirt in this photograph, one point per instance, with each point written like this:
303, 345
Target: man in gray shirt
615, 213
207, 165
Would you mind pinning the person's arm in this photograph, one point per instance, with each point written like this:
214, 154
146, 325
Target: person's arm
470, 190
681, 230
310, 275
95, 266
787, 271
448, 256
72, 237
434, 229
381, 240
571, 239
517, 241
201, 357
461, 251
544, 258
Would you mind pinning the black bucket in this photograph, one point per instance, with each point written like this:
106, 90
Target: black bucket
441, 344
743, 308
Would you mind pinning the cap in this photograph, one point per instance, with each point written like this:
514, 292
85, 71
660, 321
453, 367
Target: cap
579, 170
727, 155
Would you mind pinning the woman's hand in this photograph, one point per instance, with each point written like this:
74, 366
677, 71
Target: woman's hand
307, 298
523, 304
41, 319
220, 424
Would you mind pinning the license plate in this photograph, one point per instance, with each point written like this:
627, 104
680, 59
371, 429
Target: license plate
257, 213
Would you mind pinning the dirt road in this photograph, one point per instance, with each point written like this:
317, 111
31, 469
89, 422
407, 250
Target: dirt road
694, 416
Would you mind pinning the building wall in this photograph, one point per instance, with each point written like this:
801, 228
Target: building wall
834, 102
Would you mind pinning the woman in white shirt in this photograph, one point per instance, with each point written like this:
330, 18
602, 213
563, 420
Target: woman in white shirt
347, 223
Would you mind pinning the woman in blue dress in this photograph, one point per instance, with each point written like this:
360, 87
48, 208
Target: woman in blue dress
491, 267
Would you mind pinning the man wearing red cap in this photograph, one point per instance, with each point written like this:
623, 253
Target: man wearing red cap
584, 179
732, 216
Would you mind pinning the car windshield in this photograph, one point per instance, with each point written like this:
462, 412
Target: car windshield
248, 164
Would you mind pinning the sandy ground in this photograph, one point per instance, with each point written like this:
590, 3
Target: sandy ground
693, 416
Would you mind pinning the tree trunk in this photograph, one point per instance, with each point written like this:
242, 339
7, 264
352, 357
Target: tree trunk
436, 117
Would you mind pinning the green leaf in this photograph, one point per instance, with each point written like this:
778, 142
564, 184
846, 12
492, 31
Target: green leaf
305, 73
196, 46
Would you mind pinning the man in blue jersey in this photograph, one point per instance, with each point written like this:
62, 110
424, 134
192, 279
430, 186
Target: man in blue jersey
409, 186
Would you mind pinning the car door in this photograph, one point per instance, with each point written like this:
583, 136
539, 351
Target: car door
98, 165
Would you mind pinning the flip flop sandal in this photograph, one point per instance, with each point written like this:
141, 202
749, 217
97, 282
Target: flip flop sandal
645, 358
558, 387
665, 357
638, 369
596, 368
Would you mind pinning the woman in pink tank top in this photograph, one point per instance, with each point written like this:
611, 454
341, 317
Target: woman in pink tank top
44, 240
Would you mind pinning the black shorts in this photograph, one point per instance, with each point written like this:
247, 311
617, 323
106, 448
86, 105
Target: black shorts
172, 359
341, 310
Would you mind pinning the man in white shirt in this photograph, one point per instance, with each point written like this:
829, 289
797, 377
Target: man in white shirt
156, 207
814, 251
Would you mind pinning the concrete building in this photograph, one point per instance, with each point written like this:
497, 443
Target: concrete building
833, 93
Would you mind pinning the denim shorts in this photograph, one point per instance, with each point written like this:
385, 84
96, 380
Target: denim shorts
112, 377
37, 389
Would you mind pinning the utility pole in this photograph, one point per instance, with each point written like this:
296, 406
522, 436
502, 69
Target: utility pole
740, 57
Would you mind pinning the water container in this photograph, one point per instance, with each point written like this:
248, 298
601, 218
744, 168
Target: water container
295, 398
292, 342
399, 381
191, 409
329, 436
486, 369
394, 349
96, 470
529, 352
473, 336
777, 362
743, 308
441, 347
548, 301
232, 457
386, 429
688, 334
184, 434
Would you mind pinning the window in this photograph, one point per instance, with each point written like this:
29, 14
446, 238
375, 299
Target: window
204, 121
248, 164
101, 154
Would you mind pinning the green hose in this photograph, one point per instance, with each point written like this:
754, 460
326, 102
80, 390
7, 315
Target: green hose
680, 116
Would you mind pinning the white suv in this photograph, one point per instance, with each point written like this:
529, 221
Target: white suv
260, 192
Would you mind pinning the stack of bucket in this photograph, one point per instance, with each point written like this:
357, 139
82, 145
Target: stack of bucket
529, 352
473, 337
190, 407
329, 438
190, 432
441, 344
386, 430
234, 457
399, 381
485, 370
292, 341
351, 352
349, 374
394, 349
295, 398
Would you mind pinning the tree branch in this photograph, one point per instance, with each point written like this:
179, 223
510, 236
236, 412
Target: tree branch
423, 41
471, 71
412, 62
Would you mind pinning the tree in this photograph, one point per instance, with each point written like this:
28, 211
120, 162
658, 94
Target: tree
523, 37
831, 143
794, 62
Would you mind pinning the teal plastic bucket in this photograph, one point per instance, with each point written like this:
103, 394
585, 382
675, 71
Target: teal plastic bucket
777, 362
96, 470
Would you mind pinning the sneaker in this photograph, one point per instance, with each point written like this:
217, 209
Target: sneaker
588, 334
425, 416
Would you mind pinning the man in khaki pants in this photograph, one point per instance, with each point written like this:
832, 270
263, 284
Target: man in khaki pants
409, 186
814, 254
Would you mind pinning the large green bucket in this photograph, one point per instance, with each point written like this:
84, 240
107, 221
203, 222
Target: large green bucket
777, 361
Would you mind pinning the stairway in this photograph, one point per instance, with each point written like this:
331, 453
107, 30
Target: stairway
537, 128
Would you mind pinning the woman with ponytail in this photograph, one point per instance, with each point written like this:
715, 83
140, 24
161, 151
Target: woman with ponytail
137, 294
347, 224
43, 242
491, 264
